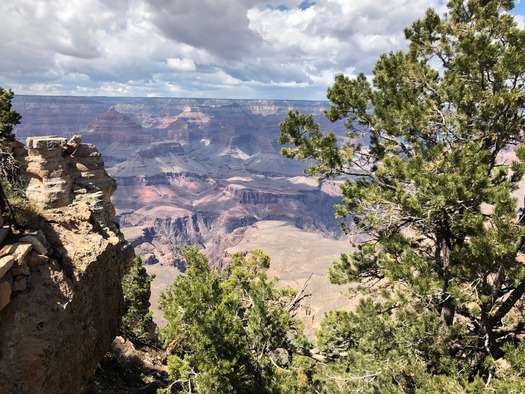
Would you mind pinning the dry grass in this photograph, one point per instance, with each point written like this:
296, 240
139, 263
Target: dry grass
26, 213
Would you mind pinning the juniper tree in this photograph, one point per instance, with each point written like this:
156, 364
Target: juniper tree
8, 166
137, 320
231, 330
428, 183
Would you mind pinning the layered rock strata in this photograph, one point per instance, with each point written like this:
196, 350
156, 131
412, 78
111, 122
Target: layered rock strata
191, 171
60, 292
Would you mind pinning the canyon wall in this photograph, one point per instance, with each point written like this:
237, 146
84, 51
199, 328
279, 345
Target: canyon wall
208, 173
193, 171
60, 291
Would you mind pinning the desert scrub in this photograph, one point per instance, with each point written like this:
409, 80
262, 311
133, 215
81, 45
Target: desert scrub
25, 212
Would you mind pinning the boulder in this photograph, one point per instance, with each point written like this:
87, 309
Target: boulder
20, 284
6, 262
34, 259
20, 269
33, 241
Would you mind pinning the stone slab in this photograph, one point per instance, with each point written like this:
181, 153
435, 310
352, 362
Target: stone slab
37, 245
20, 250
48, 143
6, 262
5, 249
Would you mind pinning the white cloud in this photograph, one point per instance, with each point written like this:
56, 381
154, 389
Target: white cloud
205, 48
221, 28
181, 64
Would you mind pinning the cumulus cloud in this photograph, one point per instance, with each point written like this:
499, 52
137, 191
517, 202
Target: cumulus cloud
221, 28
205, 48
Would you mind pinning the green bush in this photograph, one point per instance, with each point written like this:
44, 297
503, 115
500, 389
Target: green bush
137, 322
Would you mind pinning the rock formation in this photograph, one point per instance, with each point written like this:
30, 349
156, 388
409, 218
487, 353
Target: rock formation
61, 173
60, 292
201, 172
195, 171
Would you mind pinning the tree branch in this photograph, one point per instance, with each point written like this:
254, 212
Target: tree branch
294, 304
507, 305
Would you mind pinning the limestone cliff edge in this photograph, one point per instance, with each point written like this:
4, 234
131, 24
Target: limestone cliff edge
60, 278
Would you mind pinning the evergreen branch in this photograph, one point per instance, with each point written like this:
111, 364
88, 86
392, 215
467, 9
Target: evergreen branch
295, 303
510, 300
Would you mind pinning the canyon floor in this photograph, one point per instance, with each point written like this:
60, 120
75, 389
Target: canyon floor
298, 258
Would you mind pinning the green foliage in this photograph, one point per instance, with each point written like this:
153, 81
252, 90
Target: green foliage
424, 183
137, 322
10, 184
231, 330
385, 349
8, 117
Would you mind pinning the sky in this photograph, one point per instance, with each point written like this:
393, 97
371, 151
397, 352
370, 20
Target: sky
259, 49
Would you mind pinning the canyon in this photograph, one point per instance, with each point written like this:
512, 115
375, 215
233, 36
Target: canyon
202, 172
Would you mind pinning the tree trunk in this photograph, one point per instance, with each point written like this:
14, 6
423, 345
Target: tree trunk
447, 307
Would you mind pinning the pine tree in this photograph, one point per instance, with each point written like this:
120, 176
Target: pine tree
9, 177
428, 190
137, 321
232, 330
8, 117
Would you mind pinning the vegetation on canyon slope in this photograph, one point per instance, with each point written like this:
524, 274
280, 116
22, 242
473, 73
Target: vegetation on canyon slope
137, 321
427, 182
441, 252
232, 330
9, 180
8, 117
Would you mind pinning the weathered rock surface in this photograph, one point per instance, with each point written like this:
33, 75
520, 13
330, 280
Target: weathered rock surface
60, 296
60, 172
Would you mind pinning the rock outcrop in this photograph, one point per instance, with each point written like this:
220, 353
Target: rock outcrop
60, 292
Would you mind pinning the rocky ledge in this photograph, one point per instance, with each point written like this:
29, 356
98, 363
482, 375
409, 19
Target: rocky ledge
60, 291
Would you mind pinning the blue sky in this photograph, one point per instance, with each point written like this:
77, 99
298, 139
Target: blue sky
266, 49
519, 8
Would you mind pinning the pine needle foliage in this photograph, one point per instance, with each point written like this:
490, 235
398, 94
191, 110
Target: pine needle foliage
10, 183
137, 321
231, 330
428, 188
